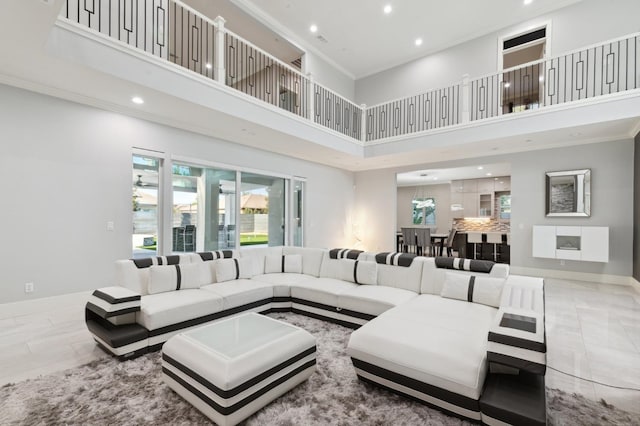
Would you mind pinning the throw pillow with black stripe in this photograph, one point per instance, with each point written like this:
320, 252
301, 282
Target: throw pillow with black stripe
233, 269
359, 271
473, 288
289, 263
164, 278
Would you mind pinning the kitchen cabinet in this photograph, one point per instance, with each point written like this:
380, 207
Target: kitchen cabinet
502, 184
470, 204
485, 186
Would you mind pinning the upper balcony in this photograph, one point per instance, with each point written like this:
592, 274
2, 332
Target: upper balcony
170, 33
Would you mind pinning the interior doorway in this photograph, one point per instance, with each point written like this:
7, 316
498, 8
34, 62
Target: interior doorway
523, 82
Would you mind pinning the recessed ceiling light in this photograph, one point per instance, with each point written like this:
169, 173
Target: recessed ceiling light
507, 84
480, 167
387, 9
526, 2
418, 42
137, 100
313, 28
488, 174
435, 178
209, 66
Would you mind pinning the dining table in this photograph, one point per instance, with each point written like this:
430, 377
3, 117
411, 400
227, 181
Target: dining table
437, 238
441, 238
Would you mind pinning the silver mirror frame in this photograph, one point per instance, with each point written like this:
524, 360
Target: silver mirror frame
583, 193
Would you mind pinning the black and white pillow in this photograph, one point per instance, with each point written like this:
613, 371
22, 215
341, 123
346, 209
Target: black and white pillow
214, 255
359, 271
233, 269
290, 263
164, 278
473, 288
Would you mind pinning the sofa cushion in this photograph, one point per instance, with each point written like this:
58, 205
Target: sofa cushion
233, 269
172, 307
373, 300
241, 292
282, 282
289, 263
473, 288
438, 341
359, 272
322, 290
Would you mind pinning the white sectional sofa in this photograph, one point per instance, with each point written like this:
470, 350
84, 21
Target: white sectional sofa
424, 329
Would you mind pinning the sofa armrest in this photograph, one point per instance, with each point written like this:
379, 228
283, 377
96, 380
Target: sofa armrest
116, 304
517, 336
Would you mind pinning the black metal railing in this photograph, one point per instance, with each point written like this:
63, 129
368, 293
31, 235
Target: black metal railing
258, 74
427, 111
335, 112
175, 32
599, 70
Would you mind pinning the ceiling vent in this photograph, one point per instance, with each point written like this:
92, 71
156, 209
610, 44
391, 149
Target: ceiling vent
322, 39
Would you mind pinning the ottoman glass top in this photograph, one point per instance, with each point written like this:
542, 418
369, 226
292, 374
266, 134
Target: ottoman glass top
238, 335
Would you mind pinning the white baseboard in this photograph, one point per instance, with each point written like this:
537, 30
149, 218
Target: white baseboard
578, 276
635, 284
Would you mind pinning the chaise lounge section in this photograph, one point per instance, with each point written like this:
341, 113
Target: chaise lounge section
427, 328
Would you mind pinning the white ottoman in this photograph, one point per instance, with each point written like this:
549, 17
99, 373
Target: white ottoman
230, 369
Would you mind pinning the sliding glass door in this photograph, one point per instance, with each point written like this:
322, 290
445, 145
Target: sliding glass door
146, 184
262, 210
204, 208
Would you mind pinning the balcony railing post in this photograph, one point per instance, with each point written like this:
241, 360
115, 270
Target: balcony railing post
363, 123
465, 113
311, 98
220, 50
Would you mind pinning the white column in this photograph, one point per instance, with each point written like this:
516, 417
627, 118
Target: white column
220, 46
466, 100
363, 128
311, 99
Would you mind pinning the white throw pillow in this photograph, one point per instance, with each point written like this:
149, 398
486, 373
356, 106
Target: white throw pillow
359, 271
473, 288
233, 269
290, 263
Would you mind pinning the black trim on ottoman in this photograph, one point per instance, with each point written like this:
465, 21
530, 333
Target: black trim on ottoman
230, 393
225, 411
514, 399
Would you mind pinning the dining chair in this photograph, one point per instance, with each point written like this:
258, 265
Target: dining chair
449, 243
409, 237
424, 244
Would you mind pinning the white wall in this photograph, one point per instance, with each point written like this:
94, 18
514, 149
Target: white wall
573, 27
328, 76
442, 195
65, 170
612, 194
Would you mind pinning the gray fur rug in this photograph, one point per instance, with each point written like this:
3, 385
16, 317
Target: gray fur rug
132, 393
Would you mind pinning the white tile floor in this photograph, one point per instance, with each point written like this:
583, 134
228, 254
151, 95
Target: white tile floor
593, 332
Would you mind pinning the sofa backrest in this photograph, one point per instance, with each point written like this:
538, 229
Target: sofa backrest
405, 277
311, 258
331, 268
257, 256
134, 273
433, 277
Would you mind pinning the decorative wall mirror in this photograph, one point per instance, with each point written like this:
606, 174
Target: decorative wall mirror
569, 193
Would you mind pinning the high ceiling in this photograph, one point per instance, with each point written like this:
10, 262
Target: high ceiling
362, 40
